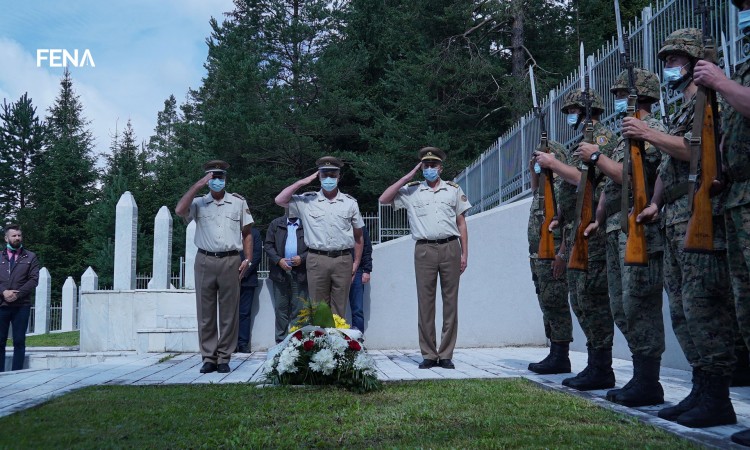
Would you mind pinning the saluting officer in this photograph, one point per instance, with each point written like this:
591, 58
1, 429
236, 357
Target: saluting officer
436, 217
219, 217
333, 226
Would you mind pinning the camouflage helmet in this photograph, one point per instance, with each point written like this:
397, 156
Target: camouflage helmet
574, 98
646, 84
687, 41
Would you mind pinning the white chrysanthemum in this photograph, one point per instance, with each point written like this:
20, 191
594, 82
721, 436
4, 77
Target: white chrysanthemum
268, 365
337, 344
364, 363
287, 360
323, 361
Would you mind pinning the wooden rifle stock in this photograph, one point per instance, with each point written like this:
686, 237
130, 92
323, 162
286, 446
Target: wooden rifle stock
700, 230
635, 246
579, 254
546, 239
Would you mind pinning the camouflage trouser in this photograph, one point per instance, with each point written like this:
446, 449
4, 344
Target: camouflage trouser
553, 300
588, 298
700, 302
642, 301
738, 248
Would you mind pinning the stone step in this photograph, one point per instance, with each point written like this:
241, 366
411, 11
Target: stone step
162, 340
180, 321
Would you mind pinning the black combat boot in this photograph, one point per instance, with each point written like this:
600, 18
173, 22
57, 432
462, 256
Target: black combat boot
687, 403
556, 362
600, 375
644, 388
741, 375
714, 407
584, 372
742, 438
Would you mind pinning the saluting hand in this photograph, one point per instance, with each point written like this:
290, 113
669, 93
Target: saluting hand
415, 170
310, 178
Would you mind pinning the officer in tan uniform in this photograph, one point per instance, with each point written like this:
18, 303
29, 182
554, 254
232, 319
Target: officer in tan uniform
436, 216
333, 226
220, 219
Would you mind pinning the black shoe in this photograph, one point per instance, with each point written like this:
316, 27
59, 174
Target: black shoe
428, 364
223, 368
243, 348
208, 367
446, 364
742, 438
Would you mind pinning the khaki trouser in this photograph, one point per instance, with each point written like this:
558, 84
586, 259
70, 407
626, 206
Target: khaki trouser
217, 286
429, 261
329, 279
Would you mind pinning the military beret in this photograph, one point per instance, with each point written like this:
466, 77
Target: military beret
431, 154
329, 163
216, 165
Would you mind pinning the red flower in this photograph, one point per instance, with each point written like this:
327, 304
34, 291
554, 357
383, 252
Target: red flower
354, 345
308, 345
347, 338
319, 333
298, 334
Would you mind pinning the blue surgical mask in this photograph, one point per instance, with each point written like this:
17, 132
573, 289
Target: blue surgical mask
430, 173
743, 21
621, 105
572, 119
672, 74
216, 184
329, 183
537, 168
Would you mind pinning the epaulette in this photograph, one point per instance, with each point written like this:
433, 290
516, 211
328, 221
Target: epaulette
413, 183
347, 195
450, 183
310, 193
237, 195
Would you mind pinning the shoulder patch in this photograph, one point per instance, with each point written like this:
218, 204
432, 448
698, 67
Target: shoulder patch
464, 199
602, 140
237, 195
450, 183
413, 183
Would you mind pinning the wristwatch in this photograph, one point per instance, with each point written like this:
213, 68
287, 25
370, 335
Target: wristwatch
595, 157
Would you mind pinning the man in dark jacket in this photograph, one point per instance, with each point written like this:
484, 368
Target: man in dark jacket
248, 283
287, 252
361, 277
19, 275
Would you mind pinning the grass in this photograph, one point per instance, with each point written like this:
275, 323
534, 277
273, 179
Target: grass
65, 339
500, 413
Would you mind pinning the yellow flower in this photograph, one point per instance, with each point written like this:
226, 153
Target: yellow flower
340, 322
294, 328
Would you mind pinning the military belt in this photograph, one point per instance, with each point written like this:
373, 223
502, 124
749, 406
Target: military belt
219, 254
331, 253
437, 241
673, 193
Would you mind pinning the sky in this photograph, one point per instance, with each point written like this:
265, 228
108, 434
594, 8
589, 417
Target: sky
143, 51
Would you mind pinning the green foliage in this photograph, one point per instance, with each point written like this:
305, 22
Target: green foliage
499, 413
62, 189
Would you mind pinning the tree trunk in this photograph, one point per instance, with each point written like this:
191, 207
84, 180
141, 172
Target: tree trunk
517, 44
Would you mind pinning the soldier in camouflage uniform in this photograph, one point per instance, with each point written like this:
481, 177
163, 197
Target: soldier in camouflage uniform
697, 283
550, 283
588, 290
635, 292
736, 154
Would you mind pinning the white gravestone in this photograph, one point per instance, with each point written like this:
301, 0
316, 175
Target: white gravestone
69, 300
162, 250
126, 230
190, 251
41, 303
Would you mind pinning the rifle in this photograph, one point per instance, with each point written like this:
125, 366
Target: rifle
632, 164
547, 200
579, 254
704, 147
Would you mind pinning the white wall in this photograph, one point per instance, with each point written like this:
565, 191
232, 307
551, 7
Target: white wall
497, 303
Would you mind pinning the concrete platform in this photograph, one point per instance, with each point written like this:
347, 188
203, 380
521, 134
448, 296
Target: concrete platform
26, 388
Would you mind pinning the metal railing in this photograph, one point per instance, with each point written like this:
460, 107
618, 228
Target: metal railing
501, 174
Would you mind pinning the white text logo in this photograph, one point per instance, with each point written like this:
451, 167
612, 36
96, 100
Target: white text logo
60, 57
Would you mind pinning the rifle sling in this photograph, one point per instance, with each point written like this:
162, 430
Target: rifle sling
625, 194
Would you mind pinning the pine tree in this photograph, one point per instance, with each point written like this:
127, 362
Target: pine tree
62, 189
21, 140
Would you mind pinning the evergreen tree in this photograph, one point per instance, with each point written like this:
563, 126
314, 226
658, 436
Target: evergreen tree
62, 189
21, 139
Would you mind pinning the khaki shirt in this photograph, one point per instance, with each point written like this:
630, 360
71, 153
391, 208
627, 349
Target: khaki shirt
328, 223
432, 214
219, 223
